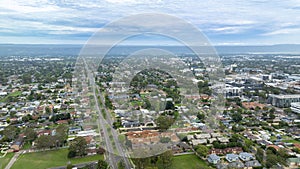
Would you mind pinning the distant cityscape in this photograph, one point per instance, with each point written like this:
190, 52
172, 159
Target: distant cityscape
87, 119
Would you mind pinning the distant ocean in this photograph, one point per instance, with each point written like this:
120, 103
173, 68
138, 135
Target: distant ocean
73, 50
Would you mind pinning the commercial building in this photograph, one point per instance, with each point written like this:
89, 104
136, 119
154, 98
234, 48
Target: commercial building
283, 100
231, 91
295, 107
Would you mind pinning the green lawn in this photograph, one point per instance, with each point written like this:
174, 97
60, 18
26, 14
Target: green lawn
47, 159
5, 160
189, 161
26, 146
291, 141
14, 94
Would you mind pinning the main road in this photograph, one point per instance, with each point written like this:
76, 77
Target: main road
112, 158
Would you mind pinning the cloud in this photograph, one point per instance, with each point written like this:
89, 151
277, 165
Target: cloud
283, 31
231, 21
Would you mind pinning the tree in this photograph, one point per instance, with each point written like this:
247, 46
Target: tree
27, 118
272, 110
141, 162
102, 164
61, 134
30, 134
271, 160
164, 122
147, 104
165, 139
26, 78
48, 110
275, 157
10, 132
166, 159
8, 120
121, 165
288, 110
44, 141
200, 116
272, 116
170, 105
202, 150
69, 166
260, 155
234, 138
77, 147
237, 117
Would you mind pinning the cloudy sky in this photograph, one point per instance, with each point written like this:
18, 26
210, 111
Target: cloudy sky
230, 22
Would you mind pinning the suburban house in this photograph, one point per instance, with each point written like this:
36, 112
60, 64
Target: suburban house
246, 156
213, 158
232, 157
253, 163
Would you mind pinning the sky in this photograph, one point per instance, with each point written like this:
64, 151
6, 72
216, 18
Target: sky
230, 22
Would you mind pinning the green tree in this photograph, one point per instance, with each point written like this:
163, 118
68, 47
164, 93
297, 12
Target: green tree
202, 150
147, 104
11, 132
77, 147
30, 134
201, 116
121, 165
102, 164
170, 105
61, 134
141, 163
48, 110
237, 117
272, 116
164, 122
69, 166
44, 141
166, 159
288, 110
260, 155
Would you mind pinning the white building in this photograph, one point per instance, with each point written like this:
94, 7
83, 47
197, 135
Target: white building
283, 100
295, 107
231, 91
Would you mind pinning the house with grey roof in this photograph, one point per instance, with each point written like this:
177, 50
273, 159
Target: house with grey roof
253, 163
246, 156
232, 157
213, 158
237, 164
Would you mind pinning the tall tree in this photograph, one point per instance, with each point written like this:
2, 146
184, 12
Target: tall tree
44, 141
102, 164
77, 147
202, 150
164, 122
30, 134
61, 134
11, 132
166, 159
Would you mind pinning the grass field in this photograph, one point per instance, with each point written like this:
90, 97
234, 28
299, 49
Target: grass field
47, 159
189, 161
5, 160
14, 94
291, 141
